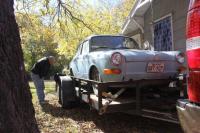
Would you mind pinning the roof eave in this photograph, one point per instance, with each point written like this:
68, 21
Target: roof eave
131, 13
135, 16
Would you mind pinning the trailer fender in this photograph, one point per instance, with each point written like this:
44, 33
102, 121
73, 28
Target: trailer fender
67, 92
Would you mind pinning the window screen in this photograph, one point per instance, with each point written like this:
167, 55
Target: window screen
163, 35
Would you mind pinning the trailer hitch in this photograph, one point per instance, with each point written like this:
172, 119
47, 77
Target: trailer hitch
104, 108
115, 96
110, 98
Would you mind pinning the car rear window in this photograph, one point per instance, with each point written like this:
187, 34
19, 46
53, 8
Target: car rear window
113, 42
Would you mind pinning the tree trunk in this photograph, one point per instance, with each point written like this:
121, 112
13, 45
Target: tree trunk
16, 108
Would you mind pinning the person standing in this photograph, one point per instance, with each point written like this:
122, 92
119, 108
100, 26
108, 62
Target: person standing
39, 70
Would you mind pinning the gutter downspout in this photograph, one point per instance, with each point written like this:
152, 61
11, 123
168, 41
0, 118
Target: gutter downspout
152, 22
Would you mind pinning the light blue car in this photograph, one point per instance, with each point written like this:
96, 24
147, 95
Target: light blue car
109, 58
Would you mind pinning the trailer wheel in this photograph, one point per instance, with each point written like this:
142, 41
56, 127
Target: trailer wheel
71, 73
57, 77
58, 92
64, 103
66, 93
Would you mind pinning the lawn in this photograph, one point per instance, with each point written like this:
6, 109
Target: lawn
49, 88
51, 118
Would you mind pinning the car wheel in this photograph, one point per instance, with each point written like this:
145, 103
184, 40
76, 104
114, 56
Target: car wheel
96, 77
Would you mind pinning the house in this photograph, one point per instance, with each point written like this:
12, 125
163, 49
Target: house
160, 23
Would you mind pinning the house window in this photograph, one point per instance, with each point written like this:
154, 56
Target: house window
163, 35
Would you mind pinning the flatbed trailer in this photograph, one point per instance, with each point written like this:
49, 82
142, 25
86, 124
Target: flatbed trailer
133, 102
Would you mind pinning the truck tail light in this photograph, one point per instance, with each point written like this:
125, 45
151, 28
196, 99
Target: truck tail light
194, 4
193, 19
116, 59
194, 86
193, 50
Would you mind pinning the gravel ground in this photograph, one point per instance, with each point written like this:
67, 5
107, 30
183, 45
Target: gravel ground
52, 118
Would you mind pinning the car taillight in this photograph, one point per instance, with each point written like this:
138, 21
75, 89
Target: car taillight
180, 57
112, 71
116, 59
193, 50
182, 69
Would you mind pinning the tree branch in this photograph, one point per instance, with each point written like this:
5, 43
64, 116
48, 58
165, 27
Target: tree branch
70, 14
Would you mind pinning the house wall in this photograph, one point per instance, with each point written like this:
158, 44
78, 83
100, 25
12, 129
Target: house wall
178, 10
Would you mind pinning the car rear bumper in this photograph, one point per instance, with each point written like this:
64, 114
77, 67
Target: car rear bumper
142, 83
189, 116
153, 79
149, 76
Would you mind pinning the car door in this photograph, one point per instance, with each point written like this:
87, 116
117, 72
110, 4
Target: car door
82, 60
85, 58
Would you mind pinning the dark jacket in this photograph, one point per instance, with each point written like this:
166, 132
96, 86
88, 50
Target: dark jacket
41, 67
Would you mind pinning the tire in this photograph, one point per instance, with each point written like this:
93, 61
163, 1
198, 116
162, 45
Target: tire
96, 77
58, 85
71, 73
58, 92
64, 103
66, 93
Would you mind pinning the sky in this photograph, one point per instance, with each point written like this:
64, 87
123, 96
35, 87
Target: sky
100, 2
94, 3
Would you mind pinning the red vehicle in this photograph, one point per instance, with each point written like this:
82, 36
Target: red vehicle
189, 109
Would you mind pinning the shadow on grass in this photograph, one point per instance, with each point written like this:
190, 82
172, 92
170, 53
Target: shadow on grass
113, 123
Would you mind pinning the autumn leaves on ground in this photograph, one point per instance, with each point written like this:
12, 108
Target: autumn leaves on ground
51, 118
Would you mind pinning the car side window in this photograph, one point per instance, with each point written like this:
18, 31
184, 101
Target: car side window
85, 49
130, 43
79, 49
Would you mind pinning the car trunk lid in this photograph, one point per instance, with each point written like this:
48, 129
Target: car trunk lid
145, 55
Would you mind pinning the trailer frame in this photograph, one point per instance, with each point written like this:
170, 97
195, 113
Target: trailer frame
130, 106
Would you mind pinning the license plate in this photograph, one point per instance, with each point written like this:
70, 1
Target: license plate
155, 67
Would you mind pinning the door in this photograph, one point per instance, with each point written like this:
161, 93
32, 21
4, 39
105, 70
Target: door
76, 60
84, 59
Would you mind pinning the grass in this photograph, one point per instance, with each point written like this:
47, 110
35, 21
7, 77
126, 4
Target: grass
51, 118
49, 88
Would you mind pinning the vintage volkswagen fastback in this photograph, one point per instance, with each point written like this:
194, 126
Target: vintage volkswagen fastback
109, 58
